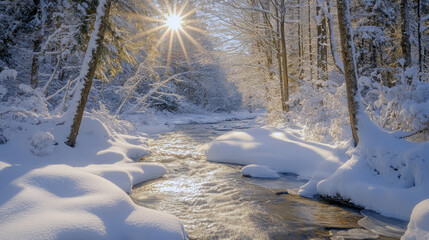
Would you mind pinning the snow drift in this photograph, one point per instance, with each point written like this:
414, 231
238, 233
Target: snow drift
281, 150
52, 191
381, 167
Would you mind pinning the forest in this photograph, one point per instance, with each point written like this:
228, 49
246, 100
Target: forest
322, 102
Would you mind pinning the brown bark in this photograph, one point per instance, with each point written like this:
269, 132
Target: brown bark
350, 70
89, 76
337, 62
405, 30
284, 57
309, 39
34, 77
279, 60
322, 51
299, 36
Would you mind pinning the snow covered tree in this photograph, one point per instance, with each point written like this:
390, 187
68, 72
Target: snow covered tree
350, 69
88, 68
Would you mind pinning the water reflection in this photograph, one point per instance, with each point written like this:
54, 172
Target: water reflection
215, 202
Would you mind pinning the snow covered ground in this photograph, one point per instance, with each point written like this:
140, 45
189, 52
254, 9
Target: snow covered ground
384, 174
51, 191
155, 123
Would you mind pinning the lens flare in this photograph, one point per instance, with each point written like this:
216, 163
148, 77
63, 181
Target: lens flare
174, 22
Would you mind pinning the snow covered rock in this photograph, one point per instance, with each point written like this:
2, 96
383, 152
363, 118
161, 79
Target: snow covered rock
418, 228
259, 171
283, 150
41, 144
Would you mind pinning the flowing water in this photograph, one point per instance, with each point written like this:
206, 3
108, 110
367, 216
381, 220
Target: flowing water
214, 201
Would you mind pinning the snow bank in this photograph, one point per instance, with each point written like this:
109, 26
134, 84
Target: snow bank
418, 228
52, 191
382, 167
155, 123
281, 150
259, 171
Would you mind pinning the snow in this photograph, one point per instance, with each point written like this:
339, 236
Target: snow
381, 167
282, 150
259, 171
41, 144
8, 74
52, 191
418, 228
155, 123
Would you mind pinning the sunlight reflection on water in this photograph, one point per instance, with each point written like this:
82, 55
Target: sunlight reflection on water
215, 202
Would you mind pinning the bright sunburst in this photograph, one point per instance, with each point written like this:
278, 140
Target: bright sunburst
175, 24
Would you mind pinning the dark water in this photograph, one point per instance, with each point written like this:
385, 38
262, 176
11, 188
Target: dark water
215, 202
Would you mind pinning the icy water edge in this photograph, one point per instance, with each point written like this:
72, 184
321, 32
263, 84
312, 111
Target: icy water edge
214, 201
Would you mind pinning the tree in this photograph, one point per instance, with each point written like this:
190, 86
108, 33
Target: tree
309, 38
39, 32
322, 51
87, 70
285, 87
405, 34
350, 69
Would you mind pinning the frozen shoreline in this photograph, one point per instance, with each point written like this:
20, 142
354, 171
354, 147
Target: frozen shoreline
324, 165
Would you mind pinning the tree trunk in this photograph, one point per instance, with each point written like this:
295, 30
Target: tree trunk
299, 36
279, 60
34, 77
332, 44
321, 43
268, 50
405, 30
309, 39
350, 69
284, 56
419, 35
87, 72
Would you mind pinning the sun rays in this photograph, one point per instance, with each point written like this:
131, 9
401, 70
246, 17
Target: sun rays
175, 24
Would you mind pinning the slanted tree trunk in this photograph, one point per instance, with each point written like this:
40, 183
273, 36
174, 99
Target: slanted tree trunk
405, 30
87, 71
350, 70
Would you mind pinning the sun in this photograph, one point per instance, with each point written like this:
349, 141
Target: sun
174, 22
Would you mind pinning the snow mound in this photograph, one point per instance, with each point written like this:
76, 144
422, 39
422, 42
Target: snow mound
418, 228
41, 144
382, 167
62, 202
81, 192
282, 150
259, 171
